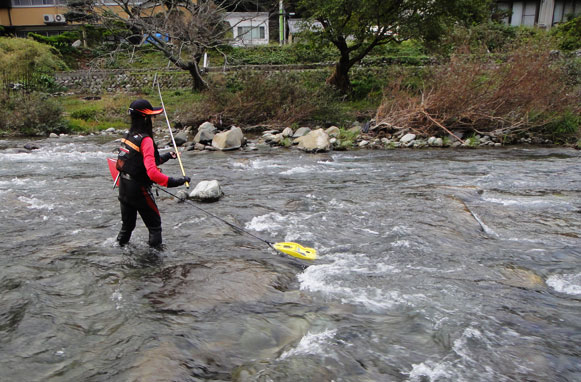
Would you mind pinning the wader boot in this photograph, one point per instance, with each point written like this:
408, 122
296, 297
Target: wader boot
155, 237
123, 237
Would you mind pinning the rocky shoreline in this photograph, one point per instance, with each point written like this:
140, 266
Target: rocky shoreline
208, 137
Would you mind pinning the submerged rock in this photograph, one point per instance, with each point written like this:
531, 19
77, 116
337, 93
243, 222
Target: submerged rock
204, 285
31, 146
160, 363
521, 278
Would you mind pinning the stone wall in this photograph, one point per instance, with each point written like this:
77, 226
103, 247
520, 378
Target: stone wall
115, 80
99, 81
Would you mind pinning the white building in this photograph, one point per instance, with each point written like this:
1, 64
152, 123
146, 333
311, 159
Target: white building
295, 26
249, 28
541, 13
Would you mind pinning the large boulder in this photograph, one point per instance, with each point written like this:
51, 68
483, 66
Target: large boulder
315, 141
180, 138
301, 132
229, 140
207, 191
206, 133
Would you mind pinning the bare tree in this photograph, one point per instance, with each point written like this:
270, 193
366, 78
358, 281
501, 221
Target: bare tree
183, 30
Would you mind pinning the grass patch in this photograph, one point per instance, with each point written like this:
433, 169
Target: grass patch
110, 110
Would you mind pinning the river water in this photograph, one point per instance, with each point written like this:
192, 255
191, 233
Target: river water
435, 265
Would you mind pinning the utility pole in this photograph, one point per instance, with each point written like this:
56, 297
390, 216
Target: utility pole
281, 22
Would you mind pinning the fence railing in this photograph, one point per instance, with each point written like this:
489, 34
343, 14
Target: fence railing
12, 83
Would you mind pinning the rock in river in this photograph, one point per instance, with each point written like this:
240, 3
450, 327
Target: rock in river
207, 191
229, 140
315, 141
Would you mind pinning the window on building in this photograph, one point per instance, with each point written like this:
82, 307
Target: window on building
565, 10
522, 12
30, 3
529, 15
251, 33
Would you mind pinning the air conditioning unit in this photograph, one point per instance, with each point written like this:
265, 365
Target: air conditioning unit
59, 18
48, 19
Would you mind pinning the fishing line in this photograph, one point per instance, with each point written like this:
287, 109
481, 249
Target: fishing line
215, 216
289, 248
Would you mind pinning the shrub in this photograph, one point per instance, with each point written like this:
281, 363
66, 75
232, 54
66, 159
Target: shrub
300, 53
563, 127
62, 42
18, 55
569, 34
253, 98
526, 93
31, 114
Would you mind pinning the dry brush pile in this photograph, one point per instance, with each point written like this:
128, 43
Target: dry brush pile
524, 93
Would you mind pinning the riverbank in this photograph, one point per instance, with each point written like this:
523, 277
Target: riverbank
353, 140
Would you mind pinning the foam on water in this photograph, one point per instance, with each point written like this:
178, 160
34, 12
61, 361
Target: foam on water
332, 280
312, 344
401, 230
16, 181
527, 202
401, 244
257, 164
65, 152
274, 222
36, 204
455, 365
270, 222
301, 170
566, 283
433, 371
117, 298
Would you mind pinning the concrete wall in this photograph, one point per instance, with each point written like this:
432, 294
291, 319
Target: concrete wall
25, 16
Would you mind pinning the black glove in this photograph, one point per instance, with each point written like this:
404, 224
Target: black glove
174, 182
167, 156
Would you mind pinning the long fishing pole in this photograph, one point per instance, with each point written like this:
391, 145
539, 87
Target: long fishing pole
170, 132
270, 244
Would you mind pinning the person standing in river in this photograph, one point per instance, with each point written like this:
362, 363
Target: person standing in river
137, 164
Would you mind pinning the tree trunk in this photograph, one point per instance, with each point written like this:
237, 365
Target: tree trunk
198, 83
340, 77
